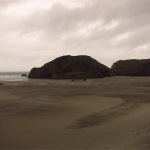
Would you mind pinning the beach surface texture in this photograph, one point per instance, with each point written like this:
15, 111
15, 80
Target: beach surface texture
105, 113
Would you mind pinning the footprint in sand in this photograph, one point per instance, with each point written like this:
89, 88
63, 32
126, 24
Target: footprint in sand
86, 147
75, 141
145, 129
106, 147
103, 132
93, 138
135, 132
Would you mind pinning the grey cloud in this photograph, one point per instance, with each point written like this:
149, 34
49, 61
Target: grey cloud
60, 20
137, 38
4, 3
59, 28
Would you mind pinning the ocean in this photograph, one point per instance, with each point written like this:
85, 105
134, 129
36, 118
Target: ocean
13, 76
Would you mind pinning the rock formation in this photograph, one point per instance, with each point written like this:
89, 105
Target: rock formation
24, 75
71, 67
133, 67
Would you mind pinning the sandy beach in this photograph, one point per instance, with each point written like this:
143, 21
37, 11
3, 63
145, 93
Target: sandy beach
105, 113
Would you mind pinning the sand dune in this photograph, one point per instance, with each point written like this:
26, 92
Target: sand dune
106, 113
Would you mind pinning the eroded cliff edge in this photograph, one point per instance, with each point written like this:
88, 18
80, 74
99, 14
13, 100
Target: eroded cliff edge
132, 67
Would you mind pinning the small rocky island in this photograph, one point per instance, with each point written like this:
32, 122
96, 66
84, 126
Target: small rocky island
24, 75
71, 67
132, 67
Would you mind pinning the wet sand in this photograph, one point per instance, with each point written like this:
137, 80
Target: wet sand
106, 113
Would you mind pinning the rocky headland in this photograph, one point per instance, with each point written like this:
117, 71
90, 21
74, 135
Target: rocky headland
132, 67
71, 67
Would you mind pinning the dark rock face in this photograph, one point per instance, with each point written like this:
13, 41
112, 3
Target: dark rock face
24, 75
71, 67
132, 67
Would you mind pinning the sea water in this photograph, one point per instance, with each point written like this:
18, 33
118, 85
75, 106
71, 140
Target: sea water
13, 76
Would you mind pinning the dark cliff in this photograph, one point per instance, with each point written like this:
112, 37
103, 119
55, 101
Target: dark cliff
133, 67
71, 67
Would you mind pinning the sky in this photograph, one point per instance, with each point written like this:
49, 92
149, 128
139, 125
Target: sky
34, 32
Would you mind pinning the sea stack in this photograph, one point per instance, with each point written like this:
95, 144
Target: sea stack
71, 67
132, 67
24, 75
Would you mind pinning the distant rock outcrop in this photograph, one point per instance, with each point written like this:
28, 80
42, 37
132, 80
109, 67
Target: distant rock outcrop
24, 75
71, 67
133, 67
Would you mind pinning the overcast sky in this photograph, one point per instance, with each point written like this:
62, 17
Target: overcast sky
34, 32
